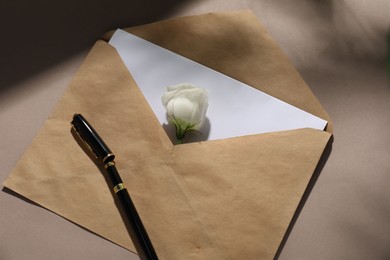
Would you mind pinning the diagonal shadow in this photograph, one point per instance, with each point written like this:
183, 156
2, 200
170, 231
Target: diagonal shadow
38, 34
310, 186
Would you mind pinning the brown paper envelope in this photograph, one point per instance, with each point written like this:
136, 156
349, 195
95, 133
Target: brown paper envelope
222, 199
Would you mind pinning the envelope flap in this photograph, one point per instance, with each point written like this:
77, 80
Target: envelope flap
236, 44
56, 173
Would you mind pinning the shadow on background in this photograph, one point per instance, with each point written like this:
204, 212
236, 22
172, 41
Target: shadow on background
38, 34
306, 194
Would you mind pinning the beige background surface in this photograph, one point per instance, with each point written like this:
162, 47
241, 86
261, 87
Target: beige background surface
339, 47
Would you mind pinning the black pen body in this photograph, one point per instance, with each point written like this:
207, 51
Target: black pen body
131, 212
96, 145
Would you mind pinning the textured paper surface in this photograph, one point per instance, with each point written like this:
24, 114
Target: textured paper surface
231, 198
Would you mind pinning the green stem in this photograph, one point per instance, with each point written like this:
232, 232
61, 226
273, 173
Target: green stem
180, 132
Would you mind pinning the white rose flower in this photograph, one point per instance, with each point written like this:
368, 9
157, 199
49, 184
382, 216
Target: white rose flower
186, 107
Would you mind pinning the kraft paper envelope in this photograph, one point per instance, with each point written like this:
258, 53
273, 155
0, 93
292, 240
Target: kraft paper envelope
222, 199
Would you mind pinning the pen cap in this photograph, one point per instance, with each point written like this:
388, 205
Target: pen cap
92, 139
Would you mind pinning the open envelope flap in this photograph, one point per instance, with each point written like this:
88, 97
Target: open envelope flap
231, 198
56, 173
235, 44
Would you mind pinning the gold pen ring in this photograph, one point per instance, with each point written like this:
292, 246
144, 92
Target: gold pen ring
119, 187
111, 163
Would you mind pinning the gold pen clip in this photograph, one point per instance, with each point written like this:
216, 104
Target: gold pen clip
85, 143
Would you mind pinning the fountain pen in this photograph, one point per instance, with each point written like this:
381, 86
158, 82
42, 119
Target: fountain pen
100, 150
